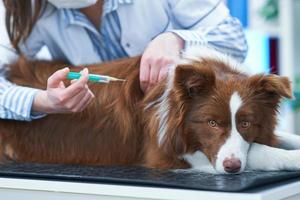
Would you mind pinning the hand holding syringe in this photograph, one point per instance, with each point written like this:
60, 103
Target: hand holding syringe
93, 77
61, 98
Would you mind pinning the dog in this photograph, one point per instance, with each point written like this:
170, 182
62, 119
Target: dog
206, 115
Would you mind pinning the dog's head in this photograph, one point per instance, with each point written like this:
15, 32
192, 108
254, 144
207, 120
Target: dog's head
219, 111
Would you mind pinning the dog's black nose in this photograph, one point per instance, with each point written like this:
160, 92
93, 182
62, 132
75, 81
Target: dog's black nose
232, 165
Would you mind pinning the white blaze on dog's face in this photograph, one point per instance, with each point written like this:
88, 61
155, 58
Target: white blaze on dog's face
220, 112
232, 155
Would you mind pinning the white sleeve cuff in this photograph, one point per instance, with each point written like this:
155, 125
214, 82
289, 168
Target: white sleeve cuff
191, 38
16, 102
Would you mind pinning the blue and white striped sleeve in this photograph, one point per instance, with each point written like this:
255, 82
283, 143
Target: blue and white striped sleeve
227, 37
16, 101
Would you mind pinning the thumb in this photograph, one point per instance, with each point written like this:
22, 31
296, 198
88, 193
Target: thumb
54, 81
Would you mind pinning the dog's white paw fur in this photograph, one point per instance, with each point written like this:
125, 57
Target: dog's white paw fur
266, 158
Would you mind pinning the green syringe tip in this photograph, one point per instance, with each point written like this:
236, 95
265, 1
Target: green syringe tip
93, 77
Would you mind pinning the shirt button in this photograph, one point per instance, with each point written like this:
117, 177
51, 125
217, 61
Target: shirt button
127, 45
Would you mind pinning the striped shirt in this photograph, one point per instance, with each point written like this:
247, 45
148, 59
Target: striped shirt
106, 40
227, 37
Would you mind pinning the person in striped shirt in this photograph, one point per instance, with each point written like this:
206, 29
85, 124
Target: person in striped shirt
93, 31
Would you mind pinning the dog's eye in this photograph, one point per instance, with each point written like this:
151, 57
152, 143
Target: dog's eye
245, 124
212, 123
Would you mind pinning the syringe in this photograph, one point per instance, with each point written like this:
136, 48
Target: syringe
93, 77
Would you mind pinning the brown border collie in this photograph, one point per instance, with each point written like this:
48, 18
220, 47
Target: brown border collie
207, 115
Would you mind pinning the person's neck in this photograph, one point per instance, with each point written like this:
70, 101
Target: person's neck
93, 13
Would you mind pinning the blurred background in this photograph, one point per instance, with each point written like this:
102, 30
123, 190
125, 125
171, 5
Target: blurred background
273, 29
273, 32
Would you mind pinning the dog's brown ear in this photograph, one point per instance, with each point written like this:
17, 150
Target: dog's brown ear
192, 80
272, 84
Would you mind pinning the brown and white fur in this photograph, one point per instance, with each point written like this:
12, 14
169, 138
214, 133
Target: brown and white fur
205, 115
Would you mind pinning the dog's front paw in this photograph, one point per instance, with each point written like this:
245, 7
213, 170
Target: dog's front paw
266, 158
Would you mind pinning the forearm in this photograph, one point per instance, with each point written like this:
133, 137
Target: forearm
228, 37
16, 101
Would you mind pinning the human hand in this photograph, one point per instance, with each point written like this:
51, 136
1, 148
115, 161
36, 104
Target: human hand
58, 98
160, 53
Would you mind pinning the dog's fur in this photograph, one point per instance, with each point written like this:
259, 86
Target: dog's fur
193, 118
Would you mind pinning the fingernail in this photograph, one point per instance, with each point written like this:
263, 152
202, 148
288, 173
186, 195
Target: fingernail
85, 70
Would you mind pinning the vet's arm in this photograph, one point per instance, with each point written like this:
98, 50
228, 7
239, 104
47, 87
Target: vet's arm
15, 101
58, 98
266, 158
211, 25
